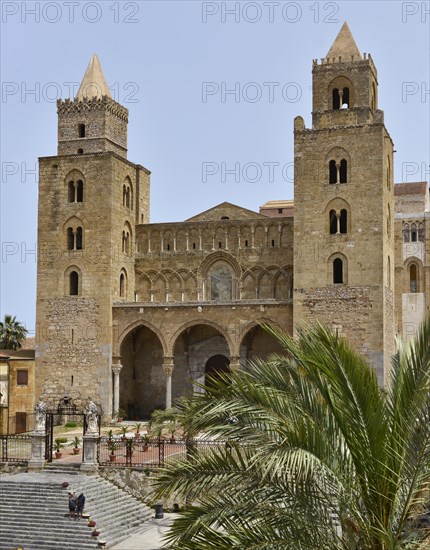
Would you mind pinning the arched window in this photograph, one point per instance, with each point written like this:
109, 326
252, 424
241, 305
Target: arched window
81, 130
343, 171
71, 191
343, 221
333, 222
70, 239
122, 285
336, 98
79, 245
126, 241
332, 171
413, 278
406, 235
345, 97
221, 284
73, 283
124, 191
80, 191
80, 151
414, 234
337, 271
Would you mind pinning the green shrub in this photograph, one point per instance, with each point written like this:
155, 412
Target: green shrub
70, 425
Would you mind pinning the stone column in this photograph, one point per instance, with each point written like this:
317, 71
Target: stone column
116, 369
168, 371
234, 363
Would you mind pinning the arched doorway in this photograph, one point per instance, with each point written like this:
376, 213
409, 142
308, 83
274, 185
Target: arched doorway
195, 348
142, 380
258, 344
215, 367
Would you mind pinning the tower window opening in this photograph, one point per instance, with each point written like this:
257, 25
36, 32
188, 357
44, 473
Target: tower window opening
122, 285
414, 234
70, 239
80, 151
81, 130
337, 271
336, 98
80, 191
219, 244
343, 221
273, 243
79, 245
168, 247
332, 171
71, 191
406, 235
246, 244
345, 97
73, 283
333, 222
413, 278
343, 171
194, 246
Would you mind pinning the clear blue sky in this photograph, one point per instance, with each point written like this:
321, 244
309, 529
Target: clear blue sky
156, 57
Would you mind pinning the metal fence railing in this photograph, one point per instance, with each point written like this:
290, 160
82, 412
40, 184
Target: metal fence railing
15, 448
152, 453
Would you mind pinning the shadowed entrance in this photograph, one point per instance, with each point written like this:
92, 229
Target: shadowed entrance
142, 380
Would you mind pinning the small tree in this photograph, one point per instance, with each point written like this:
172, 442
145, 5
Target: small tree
12, 333
164, 420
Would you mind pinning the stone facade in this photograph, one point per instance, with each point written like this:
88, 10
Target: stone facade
136, 314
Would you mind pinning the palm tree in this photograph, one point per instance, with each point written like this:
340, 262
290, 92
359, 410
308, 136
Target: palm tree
317, 455
12, 333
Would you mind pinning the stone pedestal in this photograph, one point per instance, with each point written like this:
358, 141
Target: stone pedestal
89, 462
37, 460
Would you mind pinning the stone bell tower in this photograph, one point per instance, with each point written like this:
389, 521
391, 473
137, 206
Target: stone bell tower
90, 199
344, 206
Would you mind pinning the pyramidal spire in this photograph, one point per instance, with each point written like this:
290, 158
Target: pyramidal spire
93, 84
344, 46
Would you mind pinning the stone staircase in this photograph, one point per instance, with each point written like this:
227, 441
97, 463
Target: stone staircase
34, 511
35, 516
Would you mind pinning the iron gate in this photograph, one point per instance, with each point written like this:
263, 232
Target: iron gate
58, 417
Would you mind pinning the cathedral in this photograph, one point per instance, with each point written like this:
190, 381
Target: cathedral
136, 314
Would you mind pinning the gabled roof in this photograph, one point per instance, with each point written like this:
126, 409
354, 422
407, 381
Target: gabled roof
225, 210
94, 83
344, 46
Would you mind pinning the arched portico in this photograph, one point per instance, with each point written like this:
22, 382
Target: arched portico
257, 343
194, 349
142, 380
